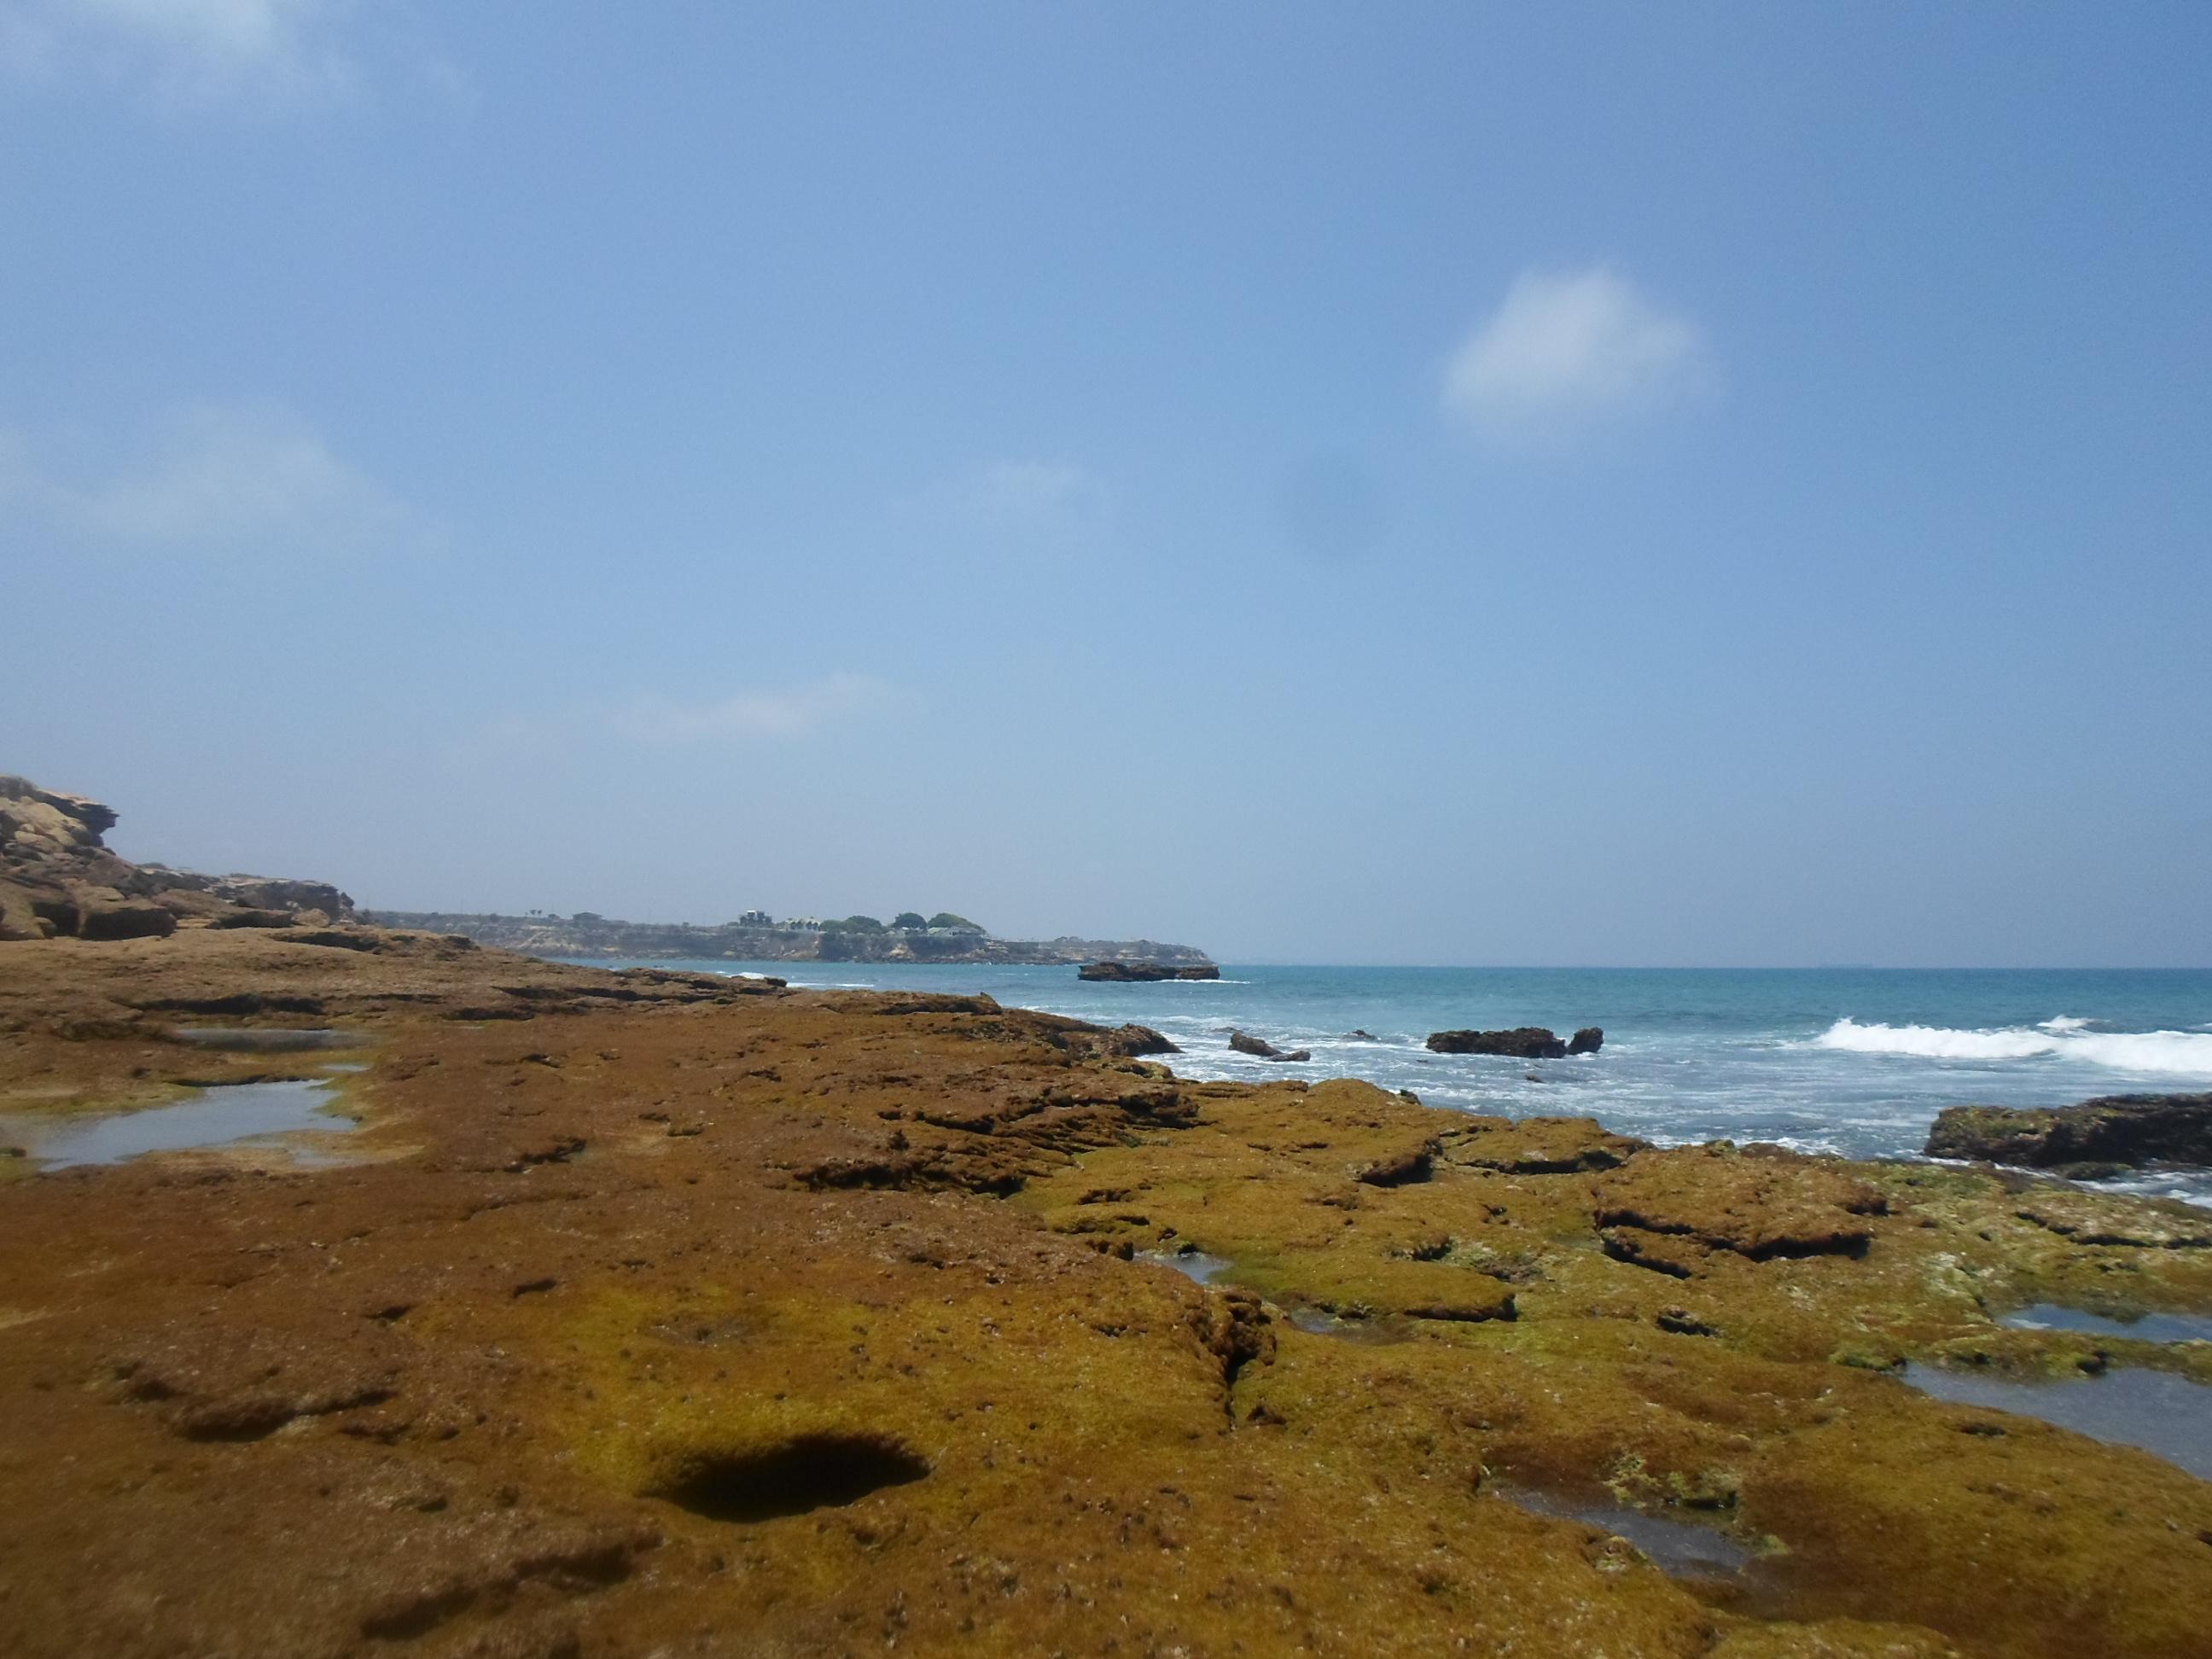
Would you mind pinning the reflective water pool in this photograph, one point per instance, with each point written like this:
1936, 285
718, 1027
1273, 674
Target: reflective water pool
214, 1117
1680, 1548
2168, 1416
2145, 1328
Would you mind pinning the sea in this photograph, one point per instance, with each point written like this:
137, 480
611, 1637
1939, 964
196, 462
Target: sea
1849, 1060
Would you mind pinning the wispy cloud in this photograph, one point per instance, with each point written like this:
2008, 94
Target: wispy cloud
790, 713
1016, 498
219, 479
1029, 490
194, 52
591, 725
1566, 348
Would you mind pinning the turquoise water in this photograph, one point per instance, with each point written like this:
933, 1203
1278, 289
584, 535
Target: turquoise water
1850, 1060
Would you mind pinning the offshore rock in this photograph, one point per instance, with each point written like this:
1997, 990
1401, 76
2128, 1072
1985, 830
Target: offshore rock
1144, 973
1588, 1041
1245, 1043
1523, 1042
2114, 1129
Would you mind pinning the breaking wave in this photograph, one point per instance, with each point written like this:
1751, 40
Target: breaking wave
2186, 1053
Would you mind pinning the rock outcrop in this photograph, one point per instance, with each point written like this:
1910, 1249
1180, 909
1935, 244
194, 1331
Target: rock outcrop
1588, 1041
1523, 1042
1144, 973
1259, 1049
2114, 1131
59, 879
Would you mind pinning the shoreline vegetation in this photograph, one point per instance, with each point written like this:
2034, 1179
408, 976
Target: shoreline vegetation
652, 1311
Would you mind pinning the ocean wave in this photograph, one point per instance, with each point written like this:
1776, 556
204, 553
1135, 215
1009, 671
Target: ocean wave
2184, 1053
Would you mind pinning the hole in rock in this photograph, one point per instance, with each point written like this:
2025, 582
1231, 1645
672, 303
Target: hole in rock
818, 1471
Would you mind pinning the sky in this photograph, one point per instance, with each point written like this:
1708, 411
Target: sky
1717, 484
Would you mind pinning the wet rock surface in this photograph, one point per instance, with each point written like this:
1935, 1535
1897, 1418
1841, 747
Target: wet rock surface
1259, 1049
1144, 973
670, 1314
1522, 1043
2097, 1136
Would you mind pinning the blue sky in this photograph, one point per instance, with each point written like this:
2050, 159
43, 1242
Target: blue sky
1716, 485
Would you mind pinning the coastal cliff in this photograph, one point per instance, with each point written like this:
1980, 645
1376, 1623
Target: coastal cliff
58, 878
589, 935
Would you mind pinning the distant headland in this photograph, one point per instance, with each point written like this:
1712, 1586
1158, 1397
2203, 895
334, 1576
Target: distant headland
756, 936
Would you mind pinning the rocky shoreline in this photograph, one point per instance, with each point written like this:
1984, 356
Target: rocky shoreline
585, 936
657, 1313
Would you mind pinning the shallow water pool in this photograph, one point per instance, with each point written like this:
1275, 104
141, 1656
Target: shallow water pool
2168, 1416
2144, 1328
1681, 1548
219, 1116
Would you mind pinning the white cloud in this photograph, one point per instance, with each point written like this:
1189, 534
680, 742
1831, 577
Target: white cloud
748, 714
1565, 348
247, 479
197, 52
1032, 490
1010, 499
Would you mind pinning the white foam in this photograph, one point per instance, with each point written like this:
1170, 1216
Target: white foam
2177, 1053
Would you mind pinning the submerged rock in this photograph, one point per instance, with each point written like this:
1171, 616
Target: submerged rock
2127, 1130
1522, 1043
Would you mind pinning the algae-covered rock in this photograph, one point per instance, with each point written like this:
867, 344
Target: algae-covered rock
668, 1304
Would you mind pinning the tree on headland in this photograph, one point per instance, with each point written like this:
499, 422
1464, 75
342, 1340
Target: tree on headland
909, 922
946, 919
853, 925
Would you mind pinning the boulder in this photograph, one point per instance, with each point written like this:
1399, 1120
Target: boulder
1588, 1041
105, 918
1523, 1042
1245, 1043
2129, 1130
1130, 1041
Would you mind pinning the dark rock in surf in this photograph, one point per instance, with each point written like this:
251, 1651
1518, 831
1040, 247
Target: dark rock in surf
1129, 1040
1259, 1049
1143, 973
2085, 1140
1523, 1042
1588, 1041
